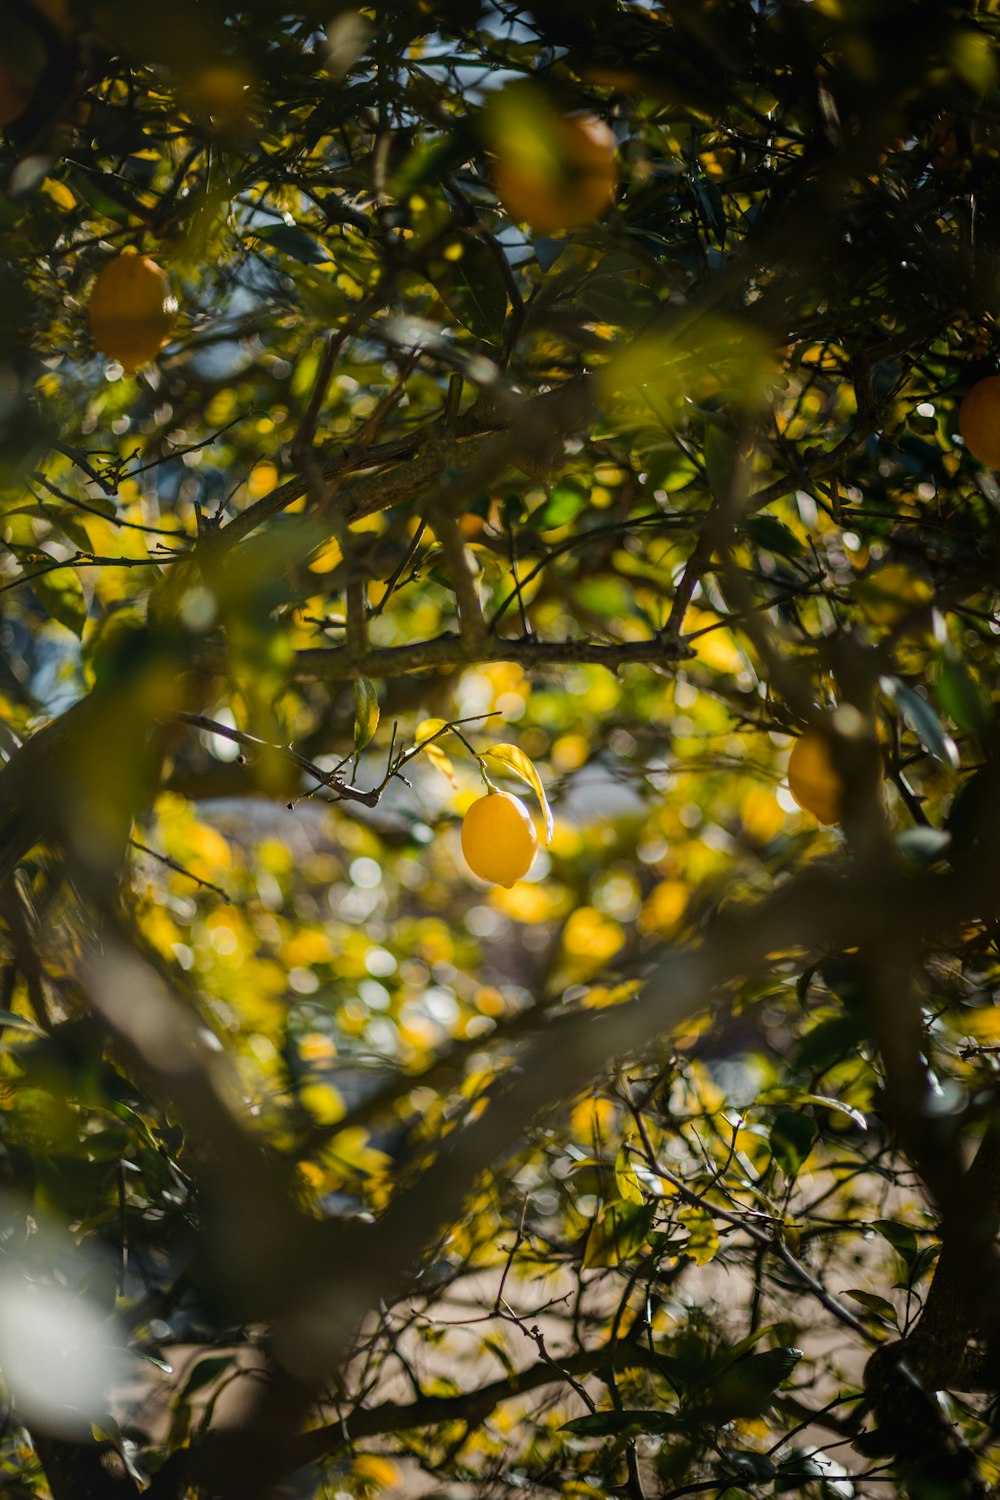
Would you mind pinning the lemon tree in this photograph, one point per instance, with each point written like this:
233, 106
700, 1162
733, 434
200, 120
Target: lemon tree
499, 774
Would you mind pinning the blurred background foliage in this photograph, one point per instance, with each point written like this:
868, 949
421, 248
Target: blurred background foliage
647, 500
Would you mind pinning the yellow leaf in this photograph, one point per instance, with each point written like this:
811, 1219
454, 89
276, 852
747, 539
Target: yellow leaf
436, 756
664, 906
329, 556
615, 1234
59, 193
323, 1102
703, 1237
514, 759
626, 1181
427, 729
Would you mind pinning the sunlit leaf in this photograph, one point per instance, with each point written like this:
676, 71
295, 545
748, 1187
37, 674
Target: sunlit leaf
625, 1179
702, 1243
61, 592
512, 758
432, 748
617, 1232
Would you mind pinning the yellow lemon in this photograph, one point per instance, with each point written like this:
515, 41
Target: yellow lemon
815, 784
561, 182
498, 838
132, 310
979, 421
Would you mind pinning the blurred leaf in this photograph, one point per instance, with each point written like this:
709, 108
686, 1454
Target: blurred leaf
829, 1040
746, 1388
61, 592
774, 536
720, 459
8, 1019
922, 719
547, 251
618, 1231
754, 1468
702, 1243
792, 1137
473, 289
290, 240
626, 1181
425, 162
711, 206
614, 1423
924, 845
960, 695
565, 502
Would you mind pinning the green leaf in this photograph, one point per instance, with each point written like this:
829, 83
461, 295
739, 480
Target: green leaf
711, 206
746, 1388
561, 508
828, 1041
289, 239
614, 1423
61, 593
900, 1236
960, 695
792, 1137
720, 457
836, 1104
366, 712
205, 1371
514, 759
755, 1468
774, 536
923, 720
618, 1231
425, 162
880, 1306
473, 288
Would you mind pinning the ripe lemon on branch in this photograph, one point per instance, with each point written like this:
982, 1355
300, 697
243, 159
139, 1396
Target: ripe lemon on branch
498, 838
132, 310
551, 171
813, 780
